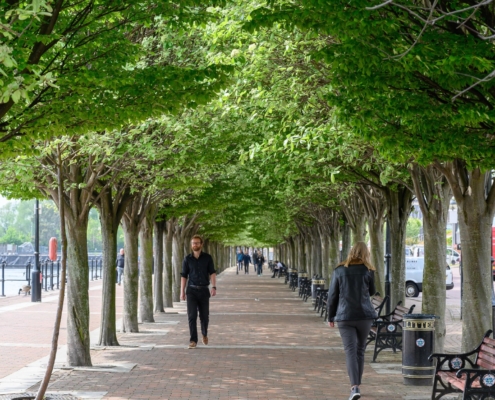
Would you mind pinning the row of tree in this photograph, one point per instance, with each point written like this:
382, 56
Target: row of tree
297, 124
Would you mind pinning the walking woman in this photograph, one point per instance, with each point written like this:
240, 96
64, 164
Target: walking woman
349, 304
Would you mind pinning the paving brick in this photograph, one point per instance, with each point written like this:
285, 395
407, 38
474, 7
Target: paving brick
265, 343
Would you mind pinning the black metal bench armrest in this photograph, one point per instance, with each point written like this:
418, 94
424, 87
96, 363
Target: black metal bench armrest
452, 362
475, 371
383, 326
486, 378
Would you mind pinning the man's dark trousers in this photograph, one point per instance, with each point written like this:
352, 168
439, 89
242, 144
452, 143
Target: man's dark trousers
198, 299
246, 268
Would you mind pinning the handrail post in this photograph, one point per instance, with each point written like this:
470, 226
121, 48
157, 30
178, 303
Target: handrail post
45, 277
51, 275
3, 278
28, 273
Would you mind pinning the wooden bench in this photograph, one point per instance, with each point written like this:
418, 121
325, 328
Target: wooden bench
386, 330
459, 373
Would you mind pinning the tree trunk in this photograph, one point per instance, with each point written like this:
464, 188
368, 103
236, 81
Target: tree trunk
78, 343
308, 255
131, 279
346, 239
316, 252
300, 253
177, 257
375, 205
359, 230
433, 194
333, 252
377, 252
168, 281
61, 296
475, 197
325, 257
108, 327
159, 228
146, 267
400, 203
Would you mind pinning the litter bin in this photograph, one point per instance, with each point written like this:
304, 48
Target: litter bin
301, 276
418, 342
316, 284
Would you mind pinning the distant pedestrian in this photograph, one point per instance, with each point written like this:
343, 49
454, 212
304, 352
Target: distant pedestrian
120, 263
349, 304
259, 260
240, 261
247, 260
197, 271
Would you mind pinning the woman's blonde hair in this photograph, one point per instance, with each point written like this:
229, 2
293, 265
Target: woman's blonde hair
359, 254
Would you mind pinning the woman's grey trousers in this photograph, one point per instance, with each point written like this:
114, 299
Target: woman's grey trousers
354, 335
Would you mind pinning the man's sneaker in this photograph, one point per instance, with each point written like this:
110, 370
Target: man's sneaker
355, 394
192, 345
205, 340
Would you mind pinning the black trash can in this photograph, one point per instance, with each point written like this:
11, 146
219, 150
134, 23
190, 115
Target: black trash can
315, 285
418, 342
301, 276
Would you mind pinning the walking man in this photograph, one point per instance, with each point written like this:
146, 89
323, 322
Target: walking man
247, 260
240, 260
120, 266
197, 271
259, 263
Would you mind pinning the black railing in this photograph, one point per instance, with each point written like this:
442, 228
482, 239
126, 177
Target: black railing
27, 273
50, 273
94, 265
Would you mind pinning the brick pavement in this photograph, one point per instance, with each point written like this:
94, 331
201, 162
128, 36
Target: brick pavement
265, 343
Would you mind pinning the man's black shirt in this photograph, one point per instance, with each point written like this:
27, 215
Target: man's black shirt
120, 261
198, 270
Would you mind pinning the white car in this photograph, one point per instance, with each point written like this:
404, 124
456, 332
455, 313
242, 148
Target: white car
453, 256
414, 276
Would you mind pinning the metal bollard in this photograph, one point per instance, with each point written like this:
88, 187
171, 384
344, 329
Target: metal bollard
58, 274
92, 271
418, 342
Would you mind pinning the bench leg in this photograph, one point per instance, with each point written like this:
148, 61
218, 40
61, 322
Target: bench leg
440, 388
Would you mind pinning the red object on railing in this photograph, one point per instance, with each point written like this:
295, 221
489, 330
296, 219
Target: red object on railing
52, 249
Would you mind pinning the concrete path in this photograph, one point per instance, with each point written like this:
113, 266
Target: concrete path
265, 343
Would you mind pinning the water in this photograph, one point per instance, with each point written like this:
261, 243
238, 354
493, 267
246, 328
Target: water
12, 288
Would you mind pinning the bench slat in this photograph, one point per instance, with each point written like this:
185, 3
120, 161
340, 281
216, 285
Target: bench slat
488, 355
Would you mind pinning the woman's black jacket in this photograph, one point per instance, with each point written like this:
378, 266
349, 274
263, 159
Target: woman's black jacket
349, 294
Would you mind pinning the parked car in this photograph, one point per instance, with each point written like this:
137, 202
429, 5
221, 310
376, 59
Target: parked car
414, 276
453, 256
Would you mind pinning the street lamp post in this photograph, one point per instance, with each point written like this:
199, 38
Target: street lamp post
388, 256
36, 274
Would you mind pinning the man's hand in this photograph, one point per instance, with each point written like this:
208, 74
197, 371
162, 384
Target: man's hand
213, 292
182, 296
331, 324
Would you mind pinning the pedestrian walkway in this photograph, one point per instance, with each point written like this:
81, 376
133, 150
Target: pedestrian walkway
265, 343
